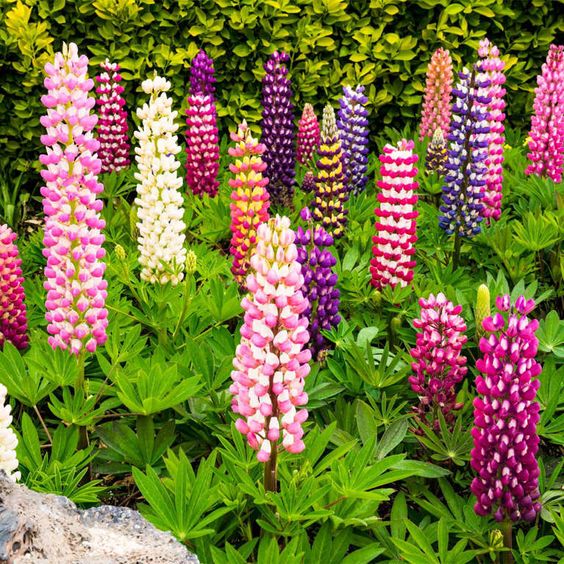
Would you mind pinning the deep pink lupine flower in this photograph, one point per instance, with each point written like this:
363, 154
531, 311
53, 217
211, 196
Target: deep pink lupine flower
13, 318
546, 145
271, 361
437, 100
76, 289
394, 242
112, 122
308, 135
506, 415
438, 361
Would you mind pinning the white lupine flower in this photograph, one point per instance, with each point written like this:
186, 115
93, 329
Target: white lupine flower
159, 201
8, 440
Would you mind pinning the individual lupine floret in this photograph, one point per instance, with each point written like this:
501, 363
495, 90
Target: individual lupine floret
13, 317
465, 181
202, 139
250, 199
278, 129
506, 415
159, 201
271, 361
308, 135
546, 144
112, 123
331, 193
76, 289
437, 154
8, 439
396, 226
492, 67
438, 363
353, 133
437, 100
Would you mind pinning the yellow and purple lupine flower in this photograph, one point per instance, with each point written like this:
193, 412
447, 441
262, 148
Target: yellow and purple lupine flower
437, 154
437, 101
308, 136
250, 199
271, 361
76, 289
438, 363
353, 133
112, 119
13, 318
8, 440
396, 226
202, 139
278, 130
546, 145
506, 415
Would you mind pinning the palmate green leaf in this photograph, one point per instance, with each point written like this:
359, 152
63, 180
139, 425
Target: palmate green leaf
551, 334
537, 232
391, 438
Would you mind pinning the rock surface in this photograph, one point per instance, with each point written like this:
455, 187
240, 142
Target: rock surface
50, 529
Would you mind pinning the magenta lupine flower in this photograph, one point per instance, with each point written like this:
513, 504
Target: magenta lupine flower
13, 318
493, 66
202, 139
308, 136
438, 361
506, 415
547, 124
271, 361
76, 289
394, 242
112, 123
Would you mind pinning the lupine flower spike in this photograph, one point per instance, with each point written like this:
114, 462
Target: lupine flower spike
438, 364
76, 289
482, 309
202, 140
112, 123
8, 439
308, 183
353, 132
493, 67
308, 136
13, 318
506, 415
331, 193
159, 202
546, 145
396, 226
250, 200
437, 154
271, 361
437, 100
278, 129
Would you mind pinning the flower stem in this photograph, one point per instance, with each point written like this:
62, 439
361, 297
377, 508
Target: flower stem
456, 253
508, 541
270, 474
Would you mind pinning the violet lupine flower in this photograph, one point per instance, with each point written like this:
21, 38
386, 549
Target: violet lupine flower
466, 178
506, 415
353, 132
438, 361
436, 104
547, 124
13, 318
202, 139
437, 154
394, 242
319, 283
308, 183
271, 361
493, 67
278, 129
76, 289
112, 123
308, 135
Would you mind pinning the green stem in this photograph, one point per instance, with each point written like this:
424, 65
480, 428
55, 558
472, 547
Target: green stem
456, 253
186, 302
270, 470
80, 389
508, 541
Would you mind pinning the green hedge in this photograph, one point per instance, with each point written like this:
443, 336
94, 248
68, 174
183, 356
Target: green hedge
384, 44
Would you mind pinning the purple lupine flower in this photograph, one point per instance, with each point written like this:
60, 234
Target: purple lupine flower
506, 415
466, 178
308, 183
353, 132
278, 129
438, 361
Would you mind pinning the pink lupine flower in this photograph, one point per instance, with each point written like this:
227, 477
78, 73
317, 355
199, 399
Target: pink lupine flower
394, 243
271, 361
308, 135
76, 289
13, 319
437, 101
438, 361
506, 415
547, 124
